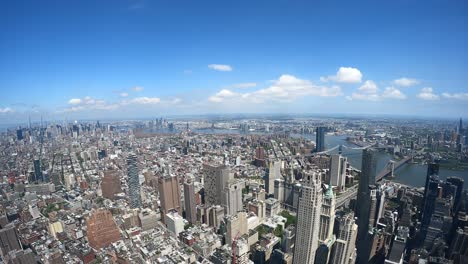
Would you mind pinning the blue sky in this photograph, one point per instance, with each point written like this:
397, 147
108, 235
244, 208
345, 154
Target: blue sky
141, 58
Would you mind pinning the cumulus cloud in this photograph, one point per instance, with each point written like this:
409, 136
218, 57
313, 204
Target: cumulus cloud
369, 87
89, 103
221, 95
123, 94
137, 89
393, 93
368, 93
406, 82
6, 110
345, 75
427, 94
220, 67
458, 96
74, 101
286, 88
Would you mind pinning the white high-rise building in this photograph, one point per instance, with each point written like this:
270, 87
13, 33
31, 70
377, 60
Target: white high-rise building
233, 197
344, 249
274, 172
308, 219
338, 166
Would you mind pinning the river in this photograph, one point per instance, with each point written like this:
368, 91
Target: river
408, 174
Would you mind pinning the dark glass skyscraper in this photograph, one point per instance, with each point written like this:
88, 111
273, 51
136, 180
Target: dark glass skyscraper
363, 208
133, 181
320, 139
37, 171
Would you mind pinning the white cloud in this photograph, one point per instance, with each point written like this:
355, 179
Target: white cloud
74, 101
393, 93
220, 67
243, 85
458, 96
285, 89
406, 82
369, 87
345, 75
6, 110
145, 100
123, 94
427, 94
137, 89
221, 95
368, 93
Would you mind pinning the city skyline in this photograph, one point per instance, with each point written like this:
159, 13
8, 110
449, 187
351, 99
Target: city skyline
133, 59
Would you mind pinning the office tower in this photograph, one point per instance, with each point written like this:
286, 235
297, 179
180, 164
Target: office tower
373, 207
279, 190
19, 134
174, 222
9, 240
320, 139
344, 249
169, 194
367, 178
458, 182
236, 225
308, 219
459, 245
233, 198
110, 184
338, 171
133, 181
460, 127
216, 179
327, 216
380, 206
432, 169
274, 173
37, 170
189, 201
432, 192
362, 211
101, 229
287, 241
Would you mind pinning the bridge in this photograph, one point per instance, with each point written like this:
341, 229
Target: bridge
391, 167
351, 192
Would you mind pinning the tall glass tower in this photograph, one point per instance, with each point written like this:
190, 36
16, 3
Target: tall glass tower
133, 181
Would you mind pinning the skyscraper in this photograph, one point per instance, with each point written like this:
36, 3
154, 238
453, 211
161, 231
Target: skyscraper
169, 194
233, 198
101, 229
338, 171
274, 172
320, 139
458, 182
308, 219
110, 184
189, 201
343, 251
460, 127
133, 181
327, 216
368, 171
37, 170
216, 179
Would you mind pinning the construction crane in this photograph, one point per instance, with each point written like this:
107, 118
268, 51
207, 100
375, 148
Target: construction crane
234, 248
